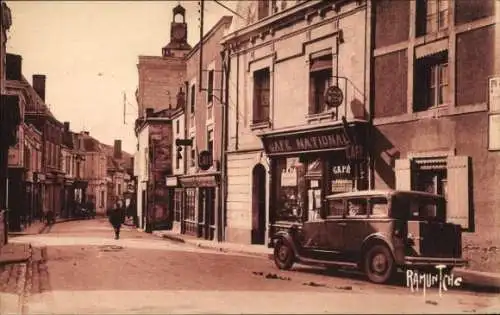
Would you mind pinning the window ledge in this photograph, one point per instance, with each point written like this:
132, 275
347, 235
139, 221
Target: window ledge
260, 125
436, 112
321, 117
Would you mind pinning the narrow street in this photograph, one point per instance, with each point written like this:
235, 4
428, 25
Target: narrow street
80, 262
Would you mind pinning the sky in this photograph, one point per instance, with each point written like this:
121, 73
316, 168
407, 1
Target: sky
89, 52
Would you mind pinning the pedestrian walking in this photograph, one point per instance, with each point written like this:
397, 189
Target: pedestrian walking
117, 217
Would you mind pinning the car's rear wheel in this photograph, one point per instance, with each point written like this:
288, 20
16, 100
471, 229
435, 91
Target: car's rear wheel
378, 264
283, 255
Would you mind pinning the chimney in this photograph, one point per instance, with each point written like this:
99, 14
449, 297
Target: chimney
181, 99
66, 126
117, 152
13, 69
39, 85
149, 112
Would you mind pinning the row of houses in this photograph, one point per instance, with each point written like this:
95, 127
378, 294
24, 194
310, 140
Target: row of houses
289, 101
45, 165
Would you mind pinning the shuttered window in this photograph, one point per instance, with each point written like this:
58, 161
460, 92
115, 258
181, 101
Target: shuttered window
454, 186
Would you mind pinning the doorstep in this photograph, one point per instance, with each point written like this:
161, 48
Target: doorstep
254, 250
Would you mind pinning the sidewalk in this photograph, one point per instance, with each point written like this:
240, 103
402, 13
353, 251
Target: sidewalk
472, 278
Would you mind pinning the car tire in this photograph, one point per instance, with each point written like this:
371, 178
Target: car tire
283, 255
378, 264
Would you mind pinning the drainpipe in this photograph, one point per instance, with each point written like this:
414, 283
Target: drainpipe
236, 145
224, 146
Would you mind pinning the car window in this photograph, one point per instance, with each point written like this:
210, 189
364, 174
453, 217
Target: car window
335, 208
379, 207
356, 207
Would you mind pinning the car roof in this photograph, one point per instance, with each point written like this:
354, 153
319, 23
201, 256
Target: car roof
382, 192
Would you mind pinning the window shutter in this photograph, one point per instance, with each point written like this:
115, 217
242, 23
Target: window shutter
457, 210
403, 174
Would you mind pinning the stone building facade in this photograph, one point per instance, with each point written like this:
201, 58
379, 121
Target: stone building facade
95, 172
201, 213
286, 145
433, 120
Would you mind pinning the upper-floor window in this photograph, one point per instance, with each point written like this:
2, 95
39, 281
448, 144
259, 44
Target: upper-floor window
262, 88
193, 98
210, 144
431, 82
320, 78
210, 86
432, 16
177, 127
263, 9
193, 153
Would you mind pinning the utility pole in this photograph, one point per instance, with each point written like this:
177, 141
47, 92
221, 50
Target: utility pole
124, 108
201, 4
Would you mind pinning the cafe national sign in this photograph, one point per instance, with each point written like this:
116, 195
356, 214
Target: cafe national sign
333, 138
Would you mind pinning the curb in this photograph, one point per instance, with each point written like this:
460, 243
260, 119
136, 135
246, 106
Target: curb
214, 247
42, 228
480, 279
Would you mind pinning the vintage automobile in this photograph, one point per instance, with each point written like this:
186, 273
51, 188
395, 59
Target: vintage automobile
376, 231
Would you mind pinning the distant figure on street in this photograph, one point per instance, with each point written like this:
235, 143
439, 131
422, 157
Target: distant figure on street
117, 217
50, 217
90, 208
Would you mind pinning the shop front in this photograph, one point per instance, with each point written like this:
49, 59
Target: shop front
199, 213
307, 165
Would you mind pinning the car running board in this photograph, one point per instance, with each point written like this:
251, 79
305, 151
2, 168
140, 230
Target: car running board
327, 262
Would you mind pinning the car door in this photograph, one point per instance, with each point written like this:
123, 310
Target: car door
355, 226
334, 225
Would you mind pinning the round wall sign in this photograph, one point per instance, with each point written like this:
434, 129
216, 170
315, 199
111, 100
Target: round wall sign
205, 160
334, 96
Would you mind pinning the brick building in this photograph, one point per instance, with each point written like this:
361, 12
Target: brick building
160, 78
9, 120
39, 115
434, 127
287, 146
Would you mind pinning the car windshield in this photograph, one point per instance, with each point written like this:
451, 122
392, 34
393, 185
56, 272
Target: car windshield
416, 207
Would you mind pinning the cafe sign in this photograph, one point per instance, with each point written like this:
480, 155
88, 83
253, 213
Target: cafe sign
324, 140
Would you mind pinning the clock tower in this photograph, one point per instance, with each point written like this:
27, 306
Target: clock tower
178, 46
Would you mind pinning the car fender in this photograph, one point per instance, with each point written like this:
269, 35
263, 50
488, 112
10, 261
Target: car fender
377, 237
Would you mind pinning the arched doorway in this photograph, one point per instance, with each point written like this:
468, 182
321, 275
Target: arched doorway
258, 204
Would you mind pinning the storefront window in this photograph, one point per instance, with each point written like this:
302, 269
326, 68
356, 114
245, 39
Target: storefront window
177, 204
190, 204
290, 199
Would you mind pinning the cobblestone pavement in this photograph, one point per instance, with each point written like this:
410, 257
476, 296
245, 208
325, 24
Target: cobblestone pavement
79, 268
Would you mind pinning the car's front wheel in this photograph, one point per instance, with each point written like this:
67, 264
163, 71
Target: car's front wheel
283, 255
378, 264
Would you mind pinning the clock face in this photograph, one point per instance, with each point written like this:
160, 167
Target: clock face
179, 32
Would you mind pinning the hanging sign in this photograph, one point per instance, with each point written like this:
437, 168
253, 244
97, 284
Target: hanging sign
334, 96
